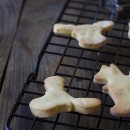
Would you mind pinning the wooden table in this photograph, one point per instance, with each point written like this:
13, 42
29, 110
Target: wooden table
24, 27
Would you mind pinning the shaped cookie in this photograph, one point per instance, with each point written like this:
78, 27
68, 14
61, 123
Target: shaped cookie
117, 85
88, 35
56, 100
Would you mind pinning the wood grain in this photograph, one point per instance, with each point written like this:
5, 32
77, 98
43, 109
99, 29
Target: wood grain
9, 17
35, 24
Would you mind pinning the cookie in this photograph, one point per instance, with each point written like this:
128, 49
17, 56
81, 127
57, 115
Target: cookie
117, 85
88, 35
56, 100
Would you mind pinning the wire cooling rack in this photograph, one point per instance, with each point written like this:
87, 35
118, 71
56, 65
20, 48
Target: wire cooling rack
78, 67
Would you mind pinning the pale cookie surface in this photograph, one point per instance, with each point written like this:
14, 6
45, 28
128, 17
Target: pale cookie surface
117, 86
88, 35
56, 100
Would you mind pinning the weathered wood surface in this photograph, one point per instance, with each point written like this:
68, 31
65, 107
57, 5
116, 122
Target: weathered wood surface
36, 21
9, 18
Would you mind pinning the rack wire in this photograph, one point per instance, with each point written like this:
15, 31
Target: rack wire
85, 61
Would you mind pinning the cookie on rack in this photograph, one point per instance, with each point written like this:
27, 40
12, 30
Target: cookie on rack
56, 100
117, 85
88, 35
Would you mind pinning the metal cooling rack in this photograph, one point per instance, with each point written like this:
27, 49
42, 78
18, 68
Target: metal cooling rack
116, 51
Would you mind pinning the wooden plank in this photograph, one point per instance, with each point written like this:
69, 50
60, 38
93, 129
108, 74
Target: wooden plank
36, 22
9, 15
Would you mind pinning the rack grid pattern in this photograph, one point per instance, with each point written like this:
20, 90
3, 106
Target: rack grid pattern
116, 51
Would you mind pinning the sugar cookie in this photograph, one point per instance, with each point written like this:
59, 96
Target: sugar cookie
56, 100
117, 85
88, 35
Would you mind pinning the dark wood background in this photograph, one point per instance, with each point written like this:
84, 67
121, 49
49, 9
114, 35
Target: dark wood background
24, 27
